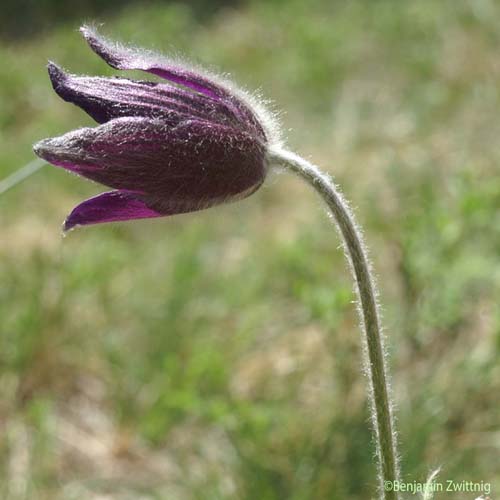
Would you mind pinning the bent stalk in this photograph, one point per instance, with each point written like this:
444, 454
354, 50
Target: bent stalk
374, 354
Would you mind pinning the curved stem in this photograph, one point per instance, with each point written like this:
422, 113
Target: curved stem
374, 357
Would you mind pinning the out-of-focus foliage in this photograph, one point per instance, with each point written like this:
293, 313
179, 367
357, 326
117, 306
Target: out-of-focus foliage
27, 18
217, 355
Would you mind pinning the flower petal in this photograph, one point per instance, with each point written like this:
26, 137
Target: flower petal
107, 98
122, 57
109, 207
189, 166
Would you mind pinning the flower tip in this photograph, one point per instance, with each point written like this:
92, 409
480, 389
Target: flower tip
69, 225
43, 148
56, 74
88, 30
73, 220
51, 66
101, 46
38, 148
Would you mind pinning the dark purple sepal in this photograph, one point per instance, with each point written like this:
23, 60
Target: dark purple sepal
109, 207
194, 164
107, 98
121, 57
126, 58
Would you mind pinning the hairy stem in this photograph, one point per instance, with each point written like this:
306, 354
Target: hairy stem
374, 354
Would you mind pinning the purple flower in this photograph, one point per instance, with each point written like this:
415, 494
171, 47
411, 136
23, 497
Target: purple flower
165, 148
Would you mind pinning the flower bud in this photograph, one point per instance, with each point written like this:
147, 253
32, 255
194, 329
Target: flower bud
165, 148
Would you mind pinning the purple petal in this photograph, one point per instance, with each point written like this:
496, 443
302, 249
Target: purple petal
108, 98
122, 57
109, 207
187, 167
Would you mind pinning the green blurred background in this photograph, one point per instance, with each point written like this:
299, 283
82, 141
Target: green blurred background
216, 355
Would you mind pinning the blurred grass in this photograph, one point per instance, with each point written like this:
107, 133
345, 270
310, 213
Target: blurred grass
216, 355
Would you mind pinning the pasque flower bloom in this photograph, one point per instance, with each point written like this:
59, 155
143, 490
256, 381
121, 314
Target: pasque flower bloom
191, 144
165, 148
